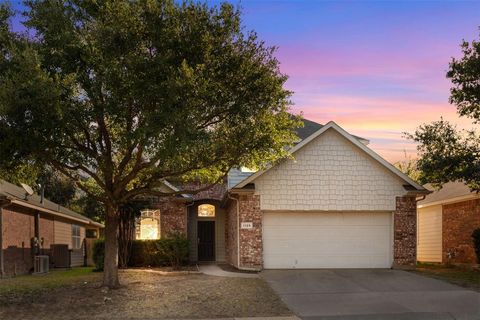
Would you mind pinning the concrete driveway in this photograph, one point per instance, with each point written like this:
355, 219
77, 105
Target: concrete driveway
371, 294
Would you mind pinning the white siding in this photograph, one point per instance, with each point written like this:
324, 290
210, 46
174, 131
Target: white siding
429, 224
307, 240
329, 173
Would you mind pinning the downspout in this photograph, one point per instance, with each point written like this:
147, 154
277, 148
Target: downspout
238, 228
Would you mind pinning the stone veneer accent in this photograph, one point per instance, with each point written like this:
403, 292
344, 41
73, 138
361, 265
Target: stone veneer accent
251, 244
459, 220
173, 215
405, 232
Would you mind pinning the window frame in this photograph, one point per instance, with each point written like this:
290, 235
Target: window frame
76, 236
210, 206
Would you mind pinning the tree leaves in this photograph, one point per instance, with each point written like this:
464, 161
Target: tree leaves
130, 93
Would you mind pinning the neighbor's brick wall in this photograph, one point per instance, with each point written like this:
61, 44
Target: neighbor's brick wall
18, 229
173, 215
405, 232
231, 245
459, 220
251, 245
329, 173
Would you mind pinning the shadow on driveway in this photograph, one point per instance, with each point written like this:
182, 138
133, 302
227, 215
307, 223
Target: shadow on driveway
371, 294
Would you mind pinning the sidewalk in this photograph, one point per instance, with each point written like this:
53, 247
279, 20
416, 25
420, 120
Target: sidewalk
214, 270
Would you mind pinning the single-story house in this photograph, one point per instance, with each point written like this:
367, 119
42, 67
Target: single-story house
336, 204
446, 220
32, 226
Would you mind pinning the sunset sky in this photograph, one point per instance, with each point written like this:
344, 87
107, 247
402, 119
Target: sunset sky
376, 68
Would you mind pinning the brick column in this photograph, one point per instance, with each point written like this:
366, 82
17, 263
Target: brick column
405, 233
251, 246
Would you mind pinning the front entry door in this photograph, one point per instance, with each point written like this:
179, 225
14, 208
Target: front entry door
206, 240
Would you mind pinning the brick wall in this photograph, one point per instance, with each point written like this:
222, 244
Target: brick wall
231, 244
173, 215
405, 232
329, 173
459, 220
251, 246
18, 229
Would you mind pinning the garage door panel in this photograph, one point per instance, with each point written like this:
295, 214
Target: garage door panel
329, 219
327, 240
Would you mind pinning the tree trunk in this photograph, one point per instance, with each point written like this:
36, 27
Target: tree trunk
110, 271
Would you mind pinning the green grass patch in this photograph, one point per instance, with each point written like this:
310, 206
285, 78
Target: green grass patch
53, 279
468, 278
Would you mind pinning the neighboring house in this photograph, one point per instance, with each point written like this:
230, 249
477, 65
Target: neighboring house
337, 204
26, 220
446, 220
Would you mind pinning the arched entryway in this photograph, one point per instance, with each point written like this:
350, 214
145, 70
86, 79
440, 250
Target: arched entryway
206, 231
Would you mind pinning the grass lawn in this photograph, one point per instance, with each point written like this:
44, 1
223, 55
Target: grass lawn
77, 294
468, 278
57, 278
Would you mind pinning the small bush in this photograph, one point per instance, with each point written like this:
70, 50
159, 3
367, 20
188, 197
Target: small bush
144, 253
476, 243
170, 251
99, 254
175, 249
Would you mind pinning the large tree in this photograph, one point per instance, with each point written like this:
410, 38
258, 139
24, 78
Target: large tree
130, 93
446, 153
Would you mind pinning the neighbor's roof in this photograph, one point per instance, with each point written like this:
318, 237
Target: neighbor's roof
17, 195
450, 192
310, 127
354, 140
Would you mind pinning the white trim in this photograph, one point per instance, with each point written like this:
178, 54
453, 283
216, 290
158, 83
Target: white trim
333, 125
451, 200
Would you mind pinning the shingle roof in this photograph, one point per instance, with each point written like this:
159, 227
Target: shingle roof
10, 190
449, 191
310, 127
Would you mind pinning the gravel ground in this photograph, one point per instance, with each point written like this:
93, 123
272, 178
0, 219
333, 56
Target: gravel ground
148, 296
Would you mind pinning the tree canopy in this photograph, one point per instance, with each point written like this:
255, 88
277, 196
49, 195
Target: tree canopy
446, 153
120, 95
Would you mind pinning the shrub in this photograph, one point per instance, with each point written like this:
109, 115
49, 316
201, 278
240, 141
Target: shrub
99, 254
144, 253
175, 249
171, 251
476, 243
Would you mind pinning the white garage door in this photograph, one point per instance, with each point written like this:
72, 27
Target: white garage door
327, 240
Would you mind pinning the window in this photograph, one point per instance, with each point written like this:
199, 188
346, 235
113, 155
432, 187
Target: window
76, 237
148, 225
206, 210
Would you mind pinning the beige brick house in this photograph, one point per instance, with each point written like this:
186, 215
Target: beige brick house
337, 204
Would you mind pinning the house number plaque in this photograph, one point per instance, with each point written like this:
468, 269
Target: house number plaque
246, 225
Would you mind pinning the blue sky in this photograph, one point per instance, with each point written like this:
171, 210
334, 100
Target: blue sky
377, 68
